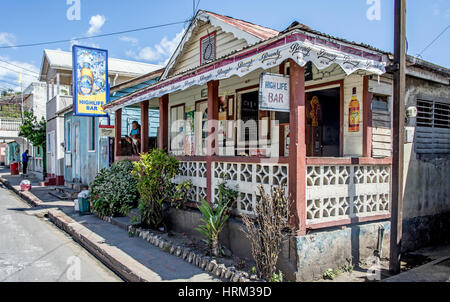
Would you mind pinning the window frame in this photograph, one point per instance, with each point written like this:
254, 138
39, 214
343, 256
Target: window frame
91, 134
214, 33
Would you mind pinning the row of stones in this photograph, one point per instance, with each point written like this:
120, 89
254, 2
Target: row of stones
204, 262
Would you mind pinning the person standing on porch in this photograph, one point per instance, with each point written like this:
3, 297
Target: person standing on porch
135, 138
25, 158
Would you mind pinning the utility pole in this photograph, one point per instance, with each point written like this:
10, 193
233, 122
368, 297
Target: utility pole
398, 135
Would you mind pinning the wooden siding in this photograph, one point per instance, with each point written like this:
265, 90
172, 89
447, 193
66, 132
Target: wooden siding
189, 58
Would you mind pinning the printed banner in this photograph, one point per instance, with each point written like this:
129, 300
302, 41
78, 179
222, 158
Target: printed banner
274, 92
90, 80
299, 47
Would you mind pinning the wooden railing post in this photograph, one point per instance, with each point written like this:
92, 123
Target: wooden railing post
297, 148
144, 127
118, 133
367, 119
163, 141
212, 144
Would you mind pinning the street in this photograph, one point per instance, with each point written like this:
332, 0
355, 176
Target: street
32, 249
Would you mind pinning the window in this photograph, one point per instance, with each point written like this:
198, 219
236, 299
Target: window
91, 134
68, 137
432, 127
433, 114
208, 48
177, 129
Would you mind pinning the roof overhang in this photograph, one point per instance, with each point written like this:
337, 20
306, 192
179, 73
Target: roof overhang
214, 20
296, 44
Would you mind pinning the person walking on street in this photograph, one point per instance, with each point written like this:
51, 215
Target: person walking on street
25, 158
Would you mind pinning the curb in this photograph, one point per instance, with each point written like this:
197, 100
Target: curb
26, 195
120, 263
206, 263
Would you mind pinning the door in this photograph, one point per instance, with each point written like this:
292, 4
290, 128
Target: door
76, 152
51, 152
323, 122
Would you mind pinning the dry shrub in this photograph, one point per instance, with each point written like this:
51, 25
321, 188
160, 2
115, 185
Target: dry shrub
266, 230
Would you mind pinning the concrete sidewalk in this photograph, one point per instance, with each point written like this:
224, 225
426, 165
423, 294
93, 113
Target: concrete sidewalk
130, 257
436, 268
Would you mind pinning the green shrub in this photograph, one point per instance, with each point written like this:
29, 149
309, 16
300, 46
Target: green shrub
154, 173
114, 191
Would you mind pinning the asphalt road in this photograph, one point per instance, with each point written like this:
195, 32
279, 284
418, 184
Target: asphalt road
32, 249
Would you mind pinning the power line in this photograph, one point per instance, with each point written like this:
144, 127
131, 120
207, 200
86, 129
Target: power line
14, 84
95, 36
20, 72
19, 66
435, 39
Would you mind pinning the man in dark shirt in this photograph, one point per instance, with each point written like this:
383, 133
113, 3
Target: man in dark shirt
25, 158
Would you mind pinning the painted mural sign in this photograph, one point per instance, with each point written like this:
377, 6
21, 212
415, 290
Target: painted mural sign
274, 92
90, 80
300, 47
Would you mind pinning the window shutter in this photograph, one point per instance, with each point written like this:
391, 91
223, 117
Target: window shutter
432, 127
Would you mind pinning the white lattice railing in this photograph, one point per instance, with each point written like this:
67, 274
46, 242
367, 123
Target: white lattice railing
245, 178
335, 192
195, 171
10, 124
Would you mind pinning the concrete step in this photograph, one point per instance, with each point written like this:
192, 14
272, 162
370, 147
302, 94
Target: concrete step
50, 181
65, 191
60, 195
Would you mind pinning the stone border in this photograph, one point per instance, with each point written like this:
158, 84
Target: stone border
26, 195
206, 263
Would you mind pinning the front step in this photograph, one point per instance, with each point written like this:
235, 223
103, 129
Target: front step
64, 193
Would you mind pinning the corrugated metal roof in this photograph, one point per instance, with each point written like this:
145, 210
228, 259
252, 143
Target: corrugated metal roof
118, 94
63, 60
254, 29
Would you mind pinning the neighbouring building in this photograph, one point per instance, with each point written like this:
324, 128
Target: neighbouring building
73, 143
35, 99
253, 106
10, 120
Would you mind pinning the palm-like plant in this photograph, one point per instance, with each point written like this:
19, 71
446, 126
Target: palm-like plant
215, 217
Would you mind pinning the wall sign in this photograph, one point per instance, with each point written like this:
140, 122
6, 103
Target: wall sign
106, 131
274, 92
90, 80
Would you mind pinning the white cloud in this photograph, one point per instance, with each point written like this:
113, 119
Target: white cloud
160, 52
96, 23
7, 39
133, 41
10, 74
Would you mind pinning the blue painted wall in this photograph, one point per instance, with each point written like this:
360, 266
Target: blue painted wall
92, 161
88, 159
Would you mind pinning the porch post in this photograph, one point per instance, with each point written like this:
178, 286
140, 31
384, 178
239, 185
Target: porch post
297, 148
144, 126
118, 134
367, 119
163, 141
213, 116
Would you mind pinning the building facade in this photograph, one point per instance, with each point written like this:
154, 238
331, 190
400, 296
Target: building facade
56, 70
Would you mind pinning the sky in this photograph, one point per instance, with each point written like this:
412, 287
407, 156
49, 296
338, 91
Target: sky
367, 21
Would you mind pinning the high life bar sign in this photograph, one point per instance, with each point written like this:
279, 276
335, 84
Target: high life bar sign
274, 92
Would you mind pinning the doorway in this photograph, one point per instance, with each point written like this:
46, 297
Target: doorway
76, 152
323, 122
